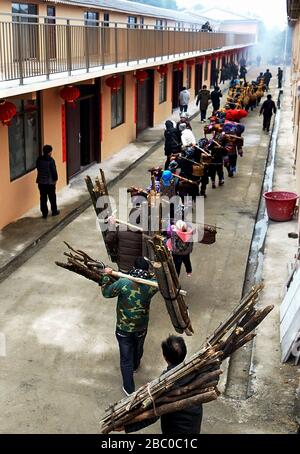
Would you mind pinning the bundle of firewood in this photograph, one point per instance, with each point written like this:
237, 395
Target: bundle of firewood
200, 374
169, 286
80, 263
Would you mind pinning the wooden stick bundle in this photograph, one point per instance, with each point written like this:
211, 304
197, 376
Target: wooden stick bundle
200, 374
169, 286
80, 263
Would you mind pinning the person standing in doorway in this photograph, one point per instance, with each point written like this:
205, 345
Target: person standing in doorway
279, 77
46, 179
267, 110
184, 99
203, 99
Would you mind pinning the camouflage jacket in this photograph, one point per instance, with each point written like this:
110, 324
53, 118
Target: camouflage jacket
133, 303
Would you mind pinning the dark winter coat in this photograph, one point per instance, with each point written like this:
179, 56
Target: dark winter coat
203, 99
216, 96
182, 242
46, 170
268, 108
186, 421
267, 77
126, 245
172, 144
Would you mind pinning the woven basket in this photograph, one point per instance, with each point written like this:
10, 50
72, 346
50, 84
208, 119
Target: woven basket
209, 236
198, 171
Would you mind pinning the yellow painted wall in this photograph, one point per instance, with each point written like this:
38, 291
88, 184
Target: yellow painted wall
115, 139
5, 8
52, 121
162, 111
18, 196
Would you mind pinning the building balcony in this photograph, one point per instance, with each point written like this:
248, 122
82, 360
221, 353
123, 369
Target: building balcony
36, 54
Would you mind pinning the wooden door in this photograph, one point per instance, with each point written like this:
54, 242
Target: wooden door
198, 77
144, 104
177, 86
73, 140
213, 73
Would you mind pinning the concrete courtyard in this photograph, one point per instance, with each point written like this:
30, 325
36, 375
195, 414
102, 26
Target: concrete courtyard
61, 368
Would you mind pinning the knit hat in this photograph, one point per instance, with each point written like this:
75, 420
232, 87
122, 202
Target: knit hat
181, 225
173, 165
184, 115
167, 177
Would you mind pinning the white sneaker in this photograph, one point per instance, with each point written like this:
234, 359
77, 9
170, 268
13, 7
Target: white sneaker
125, 392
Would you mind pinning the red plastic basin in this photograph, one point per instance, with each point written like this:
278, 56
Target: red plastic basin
280, 205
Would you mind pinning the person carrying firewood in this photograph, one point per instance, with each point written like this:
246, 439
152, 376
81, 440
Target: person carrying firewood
133, 307
187, 421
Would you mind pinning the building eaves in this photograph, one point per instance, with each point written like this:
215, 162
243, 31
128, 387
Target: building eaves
124, 6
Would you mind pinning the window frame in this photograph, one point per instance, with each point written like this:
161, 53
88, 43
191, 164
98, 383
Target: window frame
106, 19
162, 89
117, 94
23, 113
91, 22
132, 24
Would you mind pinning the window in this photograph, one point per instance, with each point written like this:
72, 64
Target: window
26, 9
188, 76
132, 21
91, 18
26, 45
159, 24
117, 106
106, 19
50, 15
50, 32
24, 138
141, 22
162, 89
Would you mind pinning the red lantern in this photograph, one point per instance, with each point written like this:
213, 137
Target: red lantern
114, 83
190, 62
178, 66
7, 111
70, 94
141, 76
200, 60
163, 70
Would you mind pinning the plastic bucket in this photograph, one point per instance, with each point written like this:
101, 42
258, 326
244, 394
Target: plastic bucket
280, 205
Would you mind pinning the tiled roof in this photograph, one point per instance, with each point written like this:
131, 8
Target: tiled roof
137, 8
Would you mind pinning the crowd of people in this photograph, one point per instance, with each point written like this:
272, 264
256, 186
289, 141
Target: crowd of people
189, 166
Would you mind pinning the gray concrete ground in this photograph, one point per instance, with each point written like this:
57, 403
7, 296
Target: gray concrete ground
62, 364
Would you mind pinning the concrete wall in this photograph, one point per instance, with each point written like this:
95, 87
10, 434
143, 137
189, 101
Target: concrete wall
115, 139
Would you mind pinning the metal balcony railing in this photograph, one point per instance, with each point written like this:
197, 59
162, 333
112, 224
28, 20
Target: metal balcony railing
37, 47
